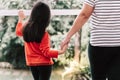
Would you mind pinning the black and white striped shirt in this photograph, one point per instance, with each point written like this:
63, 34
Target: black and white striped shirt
105, 20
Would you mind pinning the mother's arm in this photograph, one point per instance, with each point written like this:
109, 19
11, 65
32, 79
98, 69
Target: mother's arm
80, 20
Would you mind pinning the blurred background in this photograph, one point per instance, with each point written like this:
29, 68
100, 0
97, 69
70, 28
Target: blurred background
73, 65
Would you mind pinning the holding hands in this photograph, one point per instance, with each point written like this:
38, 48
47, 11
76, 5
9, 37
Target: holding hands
64, 45
65, 42
62, 49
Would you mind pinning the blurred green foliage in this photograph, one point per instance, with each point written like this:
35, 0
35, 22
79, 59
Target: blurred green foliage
12, 48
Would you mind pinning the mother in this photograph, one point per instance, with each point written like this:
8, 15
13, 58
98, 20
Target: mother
104, 46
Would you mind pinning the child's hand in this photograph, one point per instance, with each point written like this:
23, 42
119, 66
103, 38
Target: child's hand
63, 49
65, 42
21, 15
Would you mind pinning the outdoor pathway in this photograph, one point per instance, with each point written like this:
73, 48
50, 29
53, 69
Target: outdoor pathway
11, 74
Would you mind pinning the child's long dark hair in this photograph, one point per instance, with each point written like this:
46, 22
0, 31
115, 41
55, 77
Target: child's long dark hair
39, 19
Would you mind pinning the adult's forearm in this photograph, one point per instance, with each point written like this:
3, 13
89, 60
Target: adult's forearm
77, 25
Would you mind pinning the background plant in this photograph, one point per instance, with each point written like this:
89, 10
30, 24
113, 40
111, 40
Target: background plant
11, 47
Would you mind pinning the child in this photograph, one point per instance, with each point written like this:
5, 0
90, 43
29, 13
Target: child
37, 41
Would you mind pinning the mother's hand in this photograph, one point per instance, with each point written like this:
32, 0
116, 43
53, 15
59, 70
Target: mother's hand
65, 42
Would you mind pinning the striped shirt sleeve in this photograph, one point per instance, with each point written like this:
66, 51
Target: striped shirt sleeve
90, 2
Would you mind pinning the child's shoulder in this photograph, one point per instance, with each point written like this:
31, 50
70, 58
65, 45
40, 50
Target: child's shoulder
46, 34
46, 37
